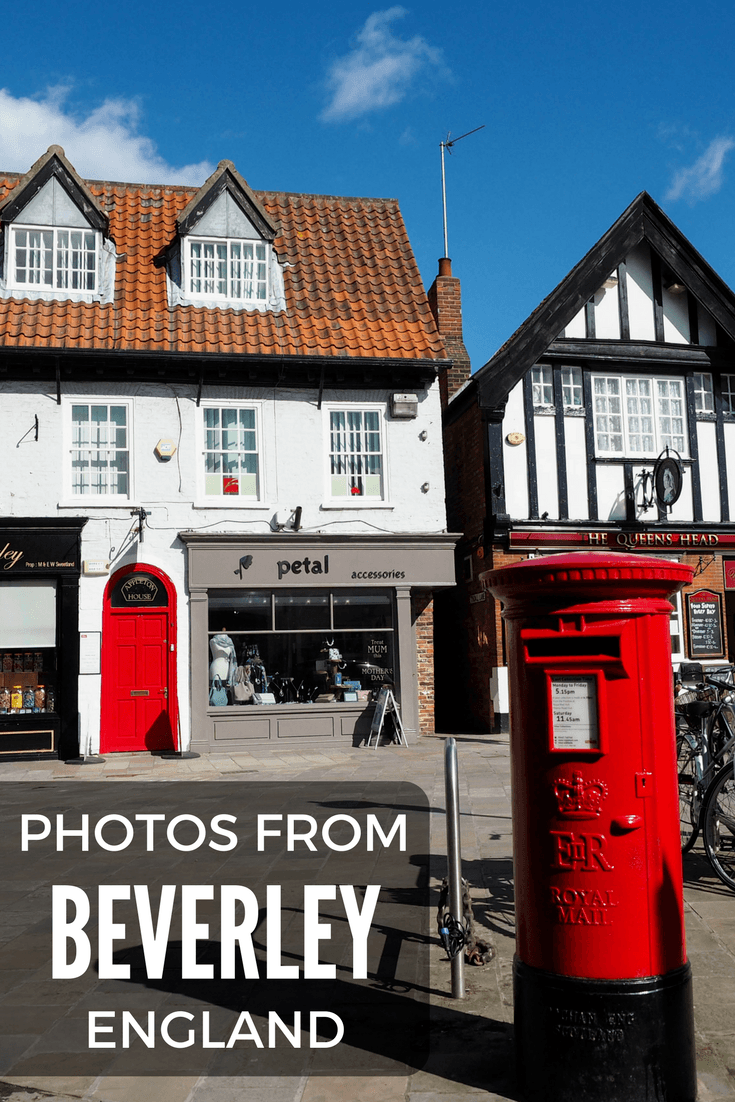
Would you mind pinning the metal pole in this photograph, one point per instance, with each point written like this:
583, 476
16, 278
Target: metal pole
454, 858
442, 146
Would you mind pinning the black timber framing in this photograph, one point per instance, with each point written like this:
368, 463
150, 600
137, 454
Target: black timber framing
561, 448
721, 451
623, 312
589, 437
693, 312
658, 299
495, 507
589, 320
637, 354
693, 449
643, 220
530, 446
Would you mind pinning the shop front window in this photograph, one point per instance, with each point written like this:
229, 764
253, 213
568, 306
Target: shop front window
299, 646
27, 647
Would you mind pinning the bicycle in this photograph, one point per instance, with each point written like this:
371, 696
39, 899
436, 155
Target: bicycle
705, 736
719, 825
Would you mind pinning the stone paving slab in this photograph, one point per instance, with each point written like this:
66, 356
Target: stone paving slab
472, 1052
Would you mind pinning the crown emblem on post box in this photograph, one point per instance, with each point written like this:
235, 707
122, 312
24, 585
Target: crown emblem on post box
578, 798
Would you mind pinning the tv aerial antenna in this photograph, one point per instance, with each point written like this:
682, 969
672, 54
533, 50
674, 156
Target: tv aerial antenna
448, 146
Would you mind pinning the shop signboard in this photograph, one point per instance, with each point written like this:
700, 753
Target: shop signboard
41, 551
705, 624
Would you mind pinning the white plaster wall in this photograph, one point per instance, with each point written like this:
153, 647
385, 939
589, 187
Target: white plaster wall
610, 491
515, 457
683, 510
607, 314
576, 449
708, 470
676, 318
294, 470
729, 428
640, 293
548, 490
577, 326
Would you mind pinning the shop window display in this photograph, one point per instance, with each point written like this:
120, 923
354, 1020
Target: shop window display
299, 647
27, 647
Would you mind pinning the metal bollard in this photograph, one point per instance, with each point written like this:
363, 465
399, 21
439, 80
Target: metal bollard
454, 857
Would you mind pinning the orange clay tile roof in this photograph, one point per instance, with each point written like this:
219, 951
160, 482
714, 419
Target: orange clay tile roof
352, 288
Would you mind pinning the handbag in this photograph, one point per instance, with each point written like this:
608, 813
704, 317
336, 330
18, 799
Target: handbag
242, 686
218, 694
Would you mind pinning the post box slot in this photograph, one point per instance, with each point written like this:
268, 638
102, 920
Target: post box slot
602, 647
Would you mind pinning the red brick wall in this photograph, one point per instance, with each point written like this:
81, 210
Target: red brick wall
422, 614
445, 301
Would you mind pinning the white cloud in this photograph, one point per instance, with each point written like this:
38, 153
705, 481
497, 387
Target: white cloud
379, 71
103, 145
704, 177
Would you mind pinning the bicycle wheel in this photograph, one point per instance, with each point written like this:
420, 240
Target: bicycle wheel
719, 825
689, 805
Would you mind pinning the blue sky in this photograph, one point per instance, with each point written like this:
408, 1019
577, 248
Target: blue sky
584, 105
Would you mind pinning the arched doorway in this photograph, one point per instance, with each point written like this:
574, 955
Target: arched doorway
139, 708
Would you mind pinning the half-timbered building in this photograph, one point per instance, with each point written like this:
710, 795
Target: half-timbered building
606, 422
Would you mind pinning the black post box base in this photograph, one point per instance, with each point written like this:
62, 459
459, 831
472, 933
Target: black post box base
604, 1040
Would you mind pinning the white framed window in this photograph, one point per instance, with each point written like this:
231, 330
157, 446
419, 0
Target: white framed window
635, 415
542, 384
704, 397
571, 387
53, 259
356, 454
227, 269
100, 449
728, 393
230, 465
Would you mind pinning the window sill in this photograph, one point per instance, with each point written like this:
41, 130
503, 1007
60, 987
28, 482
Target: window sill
231, 503
95, 501
351, 503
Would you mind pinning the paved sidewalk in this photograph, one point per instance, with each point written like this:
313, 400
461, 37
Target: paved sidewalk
471, 1040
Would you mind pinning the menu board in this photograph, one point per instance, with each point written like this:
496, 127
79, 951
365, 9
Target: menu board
574, 718
705, 624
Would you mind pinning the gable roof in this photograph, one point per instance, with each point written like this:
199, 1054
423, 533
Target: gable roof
352, 285
226, 178
53, 163
642, 220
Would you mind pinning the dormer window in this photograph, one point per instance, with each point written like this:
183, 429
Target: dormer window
46, 258
55, 237
235, 271
223, 255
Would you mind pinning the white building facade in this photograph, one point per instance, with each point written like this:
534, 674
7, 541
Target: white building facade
221, 417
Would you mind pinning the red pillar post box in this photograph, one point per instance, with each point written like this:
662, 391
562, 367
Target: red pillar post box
603, 1003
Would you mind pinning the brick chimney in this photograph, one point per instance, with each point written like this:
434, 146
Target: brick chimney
445, 301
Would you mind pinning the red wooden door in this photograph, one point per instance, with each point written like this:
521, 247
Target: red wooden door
137, 702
